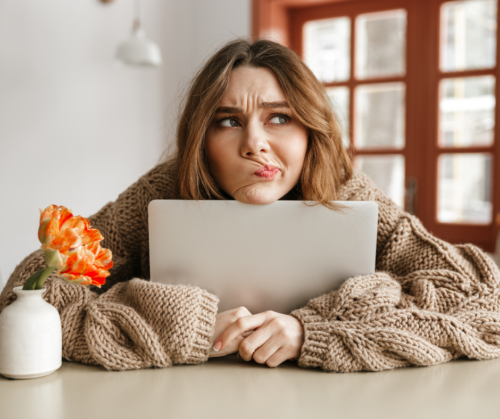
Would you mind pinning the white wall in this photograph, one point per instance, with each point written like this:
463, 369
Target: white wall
75, 129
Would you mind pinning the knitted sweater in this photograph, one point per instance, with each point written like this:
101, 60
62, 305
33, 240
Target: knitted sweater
427, 303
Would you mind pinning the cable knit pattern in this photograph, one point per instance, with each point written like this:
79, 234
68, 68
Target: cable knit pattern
428, 302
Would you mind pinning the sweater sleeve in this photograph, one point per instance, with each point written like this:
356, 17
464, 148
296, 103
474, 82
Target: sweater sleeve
427, 303
129, 323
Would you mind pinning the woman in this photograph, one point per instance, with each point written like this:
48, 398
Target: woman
257, 127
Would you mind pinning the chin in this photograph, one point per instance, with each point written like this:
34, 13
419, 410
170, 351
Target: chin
259, 201
257, 197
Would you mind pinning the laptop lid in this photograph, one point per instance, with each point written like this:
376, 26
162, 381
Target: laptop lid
264, 257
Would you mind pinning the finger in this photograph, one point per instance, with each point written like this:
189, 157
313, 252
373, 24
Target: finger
266, 351
232, 347
253, 342
238, 312
280, 356
224, 319
240, 326
229, 349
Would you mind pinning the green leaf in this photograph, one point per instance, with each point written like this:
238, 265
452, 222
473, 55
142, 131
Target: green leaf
36, 281
30, 284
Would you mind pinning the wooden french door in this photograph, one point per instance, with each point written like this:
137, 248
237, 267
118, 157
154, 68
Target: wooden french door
416, 94
462, 133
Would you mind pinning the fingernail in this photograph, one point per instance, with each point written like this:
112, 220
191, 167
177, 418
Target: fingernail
238, 355
217, 345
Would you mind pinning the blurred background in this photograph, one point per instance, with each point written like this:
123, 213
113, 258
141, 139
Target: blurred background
413, 83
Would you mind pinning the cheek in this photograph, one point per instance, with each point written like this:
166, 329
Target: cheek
295, 150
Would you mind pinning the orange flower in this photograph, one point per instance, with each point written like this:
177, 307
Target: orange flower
88, 265
60, 230
72, 247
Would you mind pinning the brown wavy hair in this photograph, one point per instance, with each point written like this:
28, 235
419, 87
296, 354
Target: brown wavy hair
327, 164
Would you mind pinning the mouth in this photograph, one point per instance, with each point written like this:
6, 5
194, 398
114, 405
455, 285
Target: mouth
268, 171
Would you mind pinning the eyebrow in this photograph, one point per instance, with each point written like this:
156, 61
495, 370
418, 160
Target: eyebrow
268, 105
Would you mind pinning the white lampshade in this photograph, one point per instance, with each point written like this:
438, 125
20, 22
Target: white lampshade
138, 50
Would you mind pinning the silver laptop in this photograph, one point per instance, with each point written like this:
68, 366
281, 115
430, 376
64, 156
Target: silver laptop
263, 257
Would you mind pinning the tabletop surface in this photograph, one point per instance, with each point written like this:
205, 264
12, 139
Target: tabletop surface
228, 387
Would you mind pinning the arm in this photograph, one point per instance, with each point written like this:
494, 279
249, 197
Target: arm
428, 302
129, 323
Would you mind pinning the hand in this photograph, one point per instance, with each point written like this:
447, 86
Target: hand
222, 322
277, 337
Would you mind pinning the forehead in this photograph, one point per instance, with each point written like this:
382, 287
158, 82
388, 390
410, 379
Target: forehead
250, 82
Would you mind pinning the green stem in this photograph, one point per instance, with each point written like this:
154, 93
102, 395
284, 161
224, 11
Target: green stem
36, 281
43, 277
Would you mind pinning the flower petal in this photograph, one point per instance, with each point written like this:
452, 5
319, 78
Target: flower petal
70, 243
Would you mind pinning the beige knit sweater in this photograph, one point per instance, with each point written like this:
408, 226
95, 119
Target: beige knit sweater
428, 302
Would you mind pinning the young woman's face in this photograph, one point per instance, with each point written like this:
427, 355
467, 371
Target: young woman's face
255, 145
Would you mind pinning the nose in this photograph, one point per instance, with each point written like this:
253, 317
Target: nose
254, 141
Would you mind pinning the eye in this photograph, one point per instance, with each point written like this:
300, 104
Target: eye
229, 123
279, 119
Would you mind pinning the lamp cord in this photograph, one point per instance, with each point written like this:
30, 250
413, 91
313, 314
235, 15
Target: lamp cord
137, 14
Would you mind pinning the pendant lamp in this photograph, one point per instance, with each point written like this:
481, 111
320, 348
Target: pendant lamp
138, 50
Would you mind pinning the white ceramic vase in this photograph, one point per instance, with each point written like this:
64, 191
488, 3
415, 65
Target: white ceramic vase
30, 336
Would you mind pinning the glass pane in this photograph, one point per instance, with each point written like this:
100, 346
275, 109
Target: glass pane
327, 48
380, 115
467, 111
468, 34
339, 99
380, 44
464, 188
388, 173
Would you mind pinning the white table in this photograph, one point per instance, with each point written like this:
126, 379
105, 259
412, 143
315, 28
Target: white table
230, 388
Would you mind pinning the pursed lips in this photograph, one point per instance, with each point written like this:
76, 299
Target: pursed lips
268, 171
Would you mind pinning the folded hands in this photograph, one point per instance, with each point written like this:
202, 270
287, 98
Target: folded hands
269, 338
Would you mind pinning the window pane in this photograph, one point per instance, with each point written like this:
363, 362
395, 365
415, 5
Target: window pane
464, 188
380, 44
339, 99
388, 173
467, 111
468, 34
380, 115
327, 48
